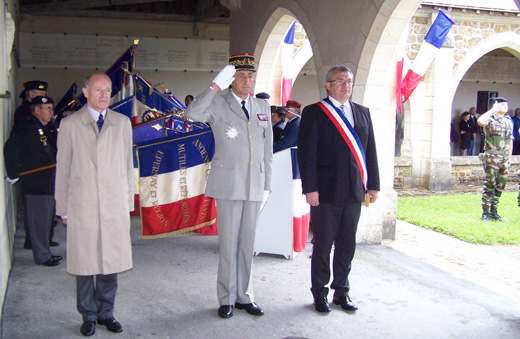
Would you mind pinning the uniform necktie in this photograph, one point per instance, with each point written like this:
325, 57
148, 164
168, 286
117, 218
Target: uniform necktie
245, 109
342, 108
100, 122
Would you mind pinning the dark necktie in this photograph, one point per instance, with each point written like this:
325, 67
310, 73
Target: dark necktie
245, 109
100, 122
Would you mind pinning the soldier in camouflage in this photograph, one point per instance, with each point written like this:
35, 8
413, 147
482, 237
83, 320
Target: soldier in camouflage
498, 129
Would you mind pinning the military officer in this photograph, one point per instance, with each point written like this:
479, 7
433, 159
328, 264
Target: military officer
32, 89
33, 147
240, 175
498, 130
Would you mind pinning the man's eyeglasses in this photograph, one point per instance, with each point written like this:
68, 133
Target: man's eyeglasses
342, 82
49, 109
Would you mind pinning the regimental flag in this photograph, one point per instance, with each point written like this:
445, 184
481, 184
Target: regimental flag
67, 98
288, 65
173, 173
147, 98
118, 73
429, 49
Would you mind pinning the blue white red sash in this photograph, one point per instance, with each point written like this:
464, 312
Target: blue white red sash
349, 135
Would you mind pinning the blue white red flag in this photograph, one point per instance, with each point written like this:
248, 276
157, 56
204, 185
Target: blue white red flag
429, 50
67, 99
121, 70
288, 65
173, 174
301, 209
119, 78
147, 97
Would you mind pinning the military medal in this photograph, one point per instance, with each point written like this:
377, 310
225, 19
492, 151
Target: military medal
231, 133
43, 138
262, 117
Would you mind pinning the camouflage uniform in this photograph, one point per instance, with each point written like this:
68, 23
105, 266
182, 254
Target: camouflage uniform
499, 133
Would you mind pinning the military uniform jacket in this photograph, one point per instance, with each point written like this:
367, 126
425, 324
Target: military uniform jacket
22, 116
242, 165
30, 147
289, 136
325, 160
499, 132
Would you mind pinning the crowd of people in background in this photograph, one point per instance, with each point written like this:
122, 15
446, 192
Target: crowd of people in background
468, 130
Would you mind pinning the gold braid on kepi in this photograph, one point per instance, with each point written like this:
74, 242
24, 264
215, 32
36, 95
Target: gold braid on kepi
243, 62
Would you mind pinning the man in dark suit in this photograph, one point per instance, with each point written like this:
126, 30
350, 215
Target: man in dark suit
336, 181
473, 129
277, 119
33, 148
289, 136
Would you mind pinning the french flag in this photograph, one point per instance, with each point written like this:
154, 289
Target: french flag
301, 209
172, 180
288, 68
429, 49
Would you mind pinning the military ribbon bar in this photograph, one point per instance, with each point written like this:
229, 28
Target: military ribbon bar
349, 135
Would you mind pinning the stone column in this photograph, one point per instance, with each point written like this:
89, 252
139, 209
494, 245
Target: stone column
430, 135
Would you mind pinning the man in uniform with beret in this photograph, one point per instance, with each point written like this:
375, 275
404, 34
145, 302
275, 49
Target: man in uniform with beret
498, 146
32, 149
289, 136
240, 176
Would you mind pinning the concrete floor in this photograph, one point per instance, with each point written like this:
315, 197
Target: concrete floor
171, 293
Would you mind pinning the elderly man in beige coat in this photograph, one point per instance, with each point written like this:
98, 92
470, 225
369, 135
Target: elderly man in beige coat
240, 176
94, 196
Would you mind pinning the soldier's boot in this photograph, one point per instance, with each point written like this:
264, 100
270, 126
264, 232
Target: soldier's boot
485, 214
494, 215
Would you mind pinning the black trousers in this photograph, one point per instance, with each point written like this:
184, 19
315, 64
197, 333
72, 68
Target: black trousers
95, 300
516, 147
333, 224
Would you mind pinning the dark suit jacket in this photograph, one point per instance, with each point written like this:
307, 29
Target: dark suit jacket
289, 136
25, 151
325, 161
278, 128
473, 125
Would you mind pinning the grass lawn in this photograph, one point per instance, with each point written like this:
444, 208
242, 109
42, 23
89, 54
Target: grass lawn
459, 217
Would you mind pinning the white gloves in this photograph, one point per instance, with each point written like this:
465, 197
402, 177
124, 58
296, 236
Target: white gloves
266, 196
225, 77
11, 181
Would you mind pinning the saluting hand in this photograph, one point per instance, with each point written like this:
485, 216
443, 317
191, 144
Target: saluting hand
225, 77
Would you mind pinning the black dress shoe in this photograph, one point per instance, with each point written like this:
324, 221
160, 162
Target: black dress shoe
54, 244
321, 304
112, 325
58, 257
251, 308
345, 303
52, 262
88, 328
225, 311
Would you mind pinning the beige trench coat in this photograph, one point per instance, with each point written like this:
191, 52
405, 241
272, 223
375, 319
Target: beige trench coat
95, 190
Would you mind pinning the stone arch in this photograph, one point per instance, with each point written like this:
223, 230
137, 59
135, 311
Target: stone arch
508, 40
266, 50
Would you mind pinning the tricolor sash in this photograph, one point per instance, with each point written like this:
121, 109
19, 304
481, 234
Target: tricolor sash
350, 136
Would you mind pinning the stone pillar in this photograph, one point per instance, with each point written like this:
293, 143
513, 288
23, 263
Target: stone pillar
430, 125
